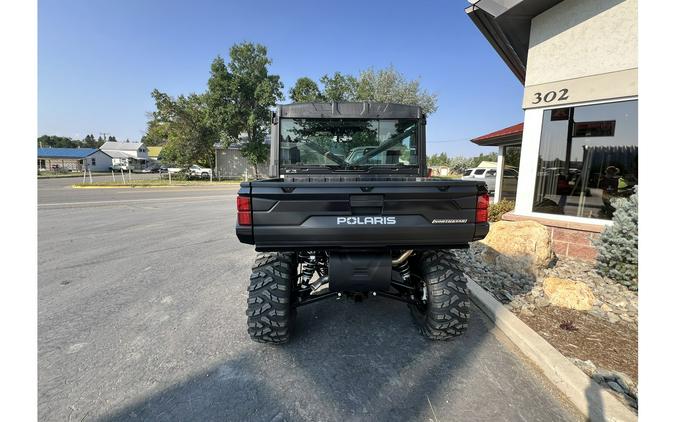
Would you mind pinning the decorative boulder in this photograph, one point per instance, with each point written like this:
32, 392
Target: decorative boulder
568, 293
518, 247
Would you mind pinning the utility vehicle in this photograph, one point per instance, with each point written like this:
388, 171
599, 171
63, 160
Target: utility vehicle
349, 212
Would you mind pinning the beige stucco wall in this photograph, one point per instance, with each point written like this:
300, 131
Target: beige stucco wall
580, 38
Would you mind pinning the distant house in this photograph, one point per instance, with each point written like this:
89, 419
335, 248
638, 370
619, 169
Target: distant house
153, 153
230, 163
127, 155
72, 159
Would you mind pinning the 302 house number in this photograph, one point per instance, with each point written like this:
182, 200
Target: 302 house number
550, 96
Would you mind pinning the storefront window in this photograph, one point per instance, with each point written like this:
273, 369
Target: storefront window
587, 156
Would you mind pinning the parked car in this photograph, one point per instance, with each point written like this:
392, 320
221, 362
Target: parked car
151, 169
489, 176
120, 166
199, 171
170, 168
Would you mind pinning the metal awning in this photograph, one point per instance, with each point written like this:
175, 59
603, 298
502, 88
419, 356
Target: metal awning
506, 25
508, 136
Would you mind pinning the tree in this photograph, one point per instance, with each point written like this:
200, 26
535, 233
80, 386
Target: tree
492, 156
390, 86
112, 139
305, 90
48, 141
239, 97
90, 142
618, 244
339, 87
386, 86
190, 136
156, 133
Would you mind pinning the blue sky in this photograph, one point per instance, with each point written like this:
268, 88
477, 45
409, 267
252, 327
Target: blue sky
99, 61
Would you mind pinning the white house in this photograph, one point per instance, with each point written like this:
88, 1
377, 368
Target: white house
578, 145
132, 155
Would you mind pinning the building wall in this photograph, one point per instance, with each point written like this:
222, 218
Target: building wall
103, 161
569, 239
230, 163
588, 47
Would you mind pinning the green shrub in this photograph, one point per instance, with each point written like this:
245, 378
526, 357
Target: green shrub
618, 244
496, 210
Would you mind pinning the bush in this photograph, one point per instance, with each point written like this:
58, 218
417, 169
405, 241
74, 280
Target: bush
496, 210
618, 244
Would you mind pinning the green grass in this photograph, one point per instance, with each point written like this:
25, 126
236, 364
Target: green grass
51, 174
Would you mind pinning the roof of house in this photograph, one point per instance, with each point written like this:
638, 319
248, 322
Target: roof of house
65, 152
119, 154
506, 26
154, 151
121, 146
508, 135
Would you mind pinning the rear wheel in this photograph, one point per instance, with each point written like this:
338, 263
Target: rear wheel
269, 297
442, 298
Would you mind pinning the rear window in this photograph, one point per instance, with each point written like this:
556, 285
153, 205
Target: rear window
479, 171
468, 172
491, 173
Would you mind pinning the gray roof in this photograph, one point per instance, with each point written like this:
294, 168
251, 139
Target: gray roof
121, 146
119, 154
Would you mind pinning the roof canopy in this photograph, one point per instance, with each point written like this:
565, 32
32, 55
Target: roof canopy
506, 25
509, 135
350, 110
65, 152
121, 146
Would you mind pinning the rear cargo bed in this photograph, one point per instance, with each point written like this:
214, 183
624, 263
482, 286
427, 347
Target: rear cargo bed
335, 214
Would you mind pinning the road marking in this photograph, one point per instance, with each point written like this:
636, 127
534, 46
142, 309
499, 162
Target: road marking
124, 201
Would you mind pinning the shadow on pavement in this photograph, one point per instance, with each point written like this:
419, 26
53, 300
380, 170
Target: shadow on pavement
351, 361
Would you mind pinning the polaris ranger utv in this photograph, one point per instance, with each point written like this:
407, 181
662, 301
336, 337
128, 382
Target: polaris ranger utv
350, 212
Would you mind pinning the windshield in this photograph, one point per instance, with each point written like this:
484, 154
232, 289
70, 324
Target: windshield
348, 143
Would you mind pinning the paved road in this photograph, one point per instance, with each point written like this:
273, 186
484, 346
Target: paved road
141, 317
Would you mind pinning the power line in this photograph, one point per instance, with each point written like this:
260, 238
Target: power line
448, 140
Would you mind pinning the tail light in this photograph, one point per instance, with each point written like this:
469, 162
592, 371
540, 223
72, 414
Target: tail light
482, 202
244, 216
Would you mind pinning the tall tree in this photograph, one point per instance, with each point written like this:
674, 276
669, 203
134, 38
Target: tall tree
156, 133
390, 86
386, 85
190, 136
339, 87
239, 98
305, 90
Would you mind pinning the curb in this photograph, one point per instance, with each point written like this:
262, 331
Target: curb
593, 401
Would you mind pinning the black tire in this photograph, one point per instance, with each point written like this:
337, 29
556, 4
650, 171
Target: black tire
269, 297
205, 175
445, 314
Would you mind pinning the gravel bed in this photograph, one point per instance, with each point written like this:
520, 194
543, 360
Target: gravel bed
524, 294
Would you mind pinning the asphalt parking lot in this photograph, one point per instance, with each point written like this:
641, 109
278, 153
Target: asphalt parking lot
141, 299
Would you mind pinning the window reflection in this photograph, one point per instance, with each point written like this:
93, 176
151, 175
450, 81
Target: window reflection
587, 159
510, 175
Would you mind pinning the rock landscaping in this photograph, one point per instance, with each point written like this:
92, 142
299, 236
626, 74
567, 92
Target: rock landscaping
589, 318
